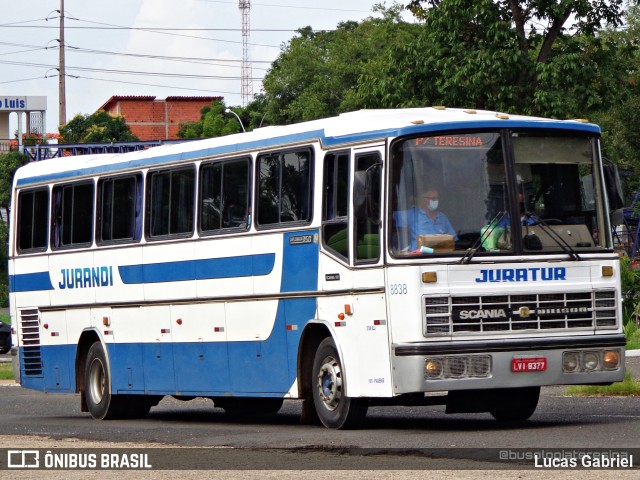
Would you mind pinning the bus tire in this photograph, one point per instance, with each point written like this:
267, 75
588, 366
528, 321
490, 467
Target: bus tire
97, 381
334, 409
514, 404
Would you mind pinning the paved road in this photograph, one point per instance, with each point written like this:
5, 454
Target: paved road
559, 422
38, 420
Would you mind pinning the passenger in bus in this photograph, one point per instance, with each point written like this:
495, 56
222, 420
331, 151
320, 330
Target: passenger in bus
424, 219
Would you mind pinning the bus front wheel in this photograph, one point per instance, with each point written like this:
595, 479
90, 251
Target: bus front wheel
334, 408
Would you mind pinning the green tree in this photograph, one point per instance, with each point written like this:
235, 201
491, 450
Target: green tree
9, 163
98, 127
317, 72
528, 56
620, 120
214, 122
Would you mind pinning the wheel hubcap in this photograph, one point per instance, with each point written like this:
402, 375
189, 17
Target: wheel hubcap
330, 383
96, 381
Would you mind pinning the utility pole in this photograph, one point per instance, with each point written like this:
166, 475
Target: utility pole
62, 96
246, 87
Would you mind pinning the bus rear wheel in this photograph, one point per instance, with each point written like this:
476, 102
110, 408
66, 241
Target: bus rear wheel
97, 381
334, 408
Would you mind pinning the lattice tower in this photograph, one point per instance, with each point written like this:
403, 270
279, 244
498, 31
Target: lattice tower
246, 88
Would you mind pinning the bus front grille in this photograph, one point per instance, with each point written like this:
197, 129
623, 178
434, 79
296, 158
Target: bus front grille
476, 314
31, 357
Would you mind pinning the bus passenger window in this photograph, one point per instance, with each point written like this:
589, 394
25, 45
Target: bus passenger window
171, 202
33, 216
73, 215
224, 195
120, 209
284, 188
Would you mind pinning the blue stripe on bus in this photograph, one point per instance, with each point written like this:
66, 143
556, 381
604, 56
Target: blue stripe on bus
312, 135
206, 269
30, 282
240, 368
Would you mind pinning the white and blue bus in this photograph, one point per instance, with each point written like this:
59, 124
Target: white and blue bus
415, 257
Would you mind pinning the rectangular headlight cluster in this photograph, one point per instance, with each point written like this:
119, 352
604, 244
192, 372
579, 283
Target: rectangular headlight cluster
580, 361
460, 366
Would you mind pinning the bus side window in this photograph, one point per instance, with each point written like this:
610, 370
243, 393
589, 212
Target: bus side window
224, 195
171, 202
73, 215
120, 209
33, 217
284, 188
335, 203
367, 229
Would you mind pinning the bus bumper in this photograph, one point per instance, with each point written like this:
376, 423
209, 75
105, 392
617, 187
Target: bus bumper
508, 363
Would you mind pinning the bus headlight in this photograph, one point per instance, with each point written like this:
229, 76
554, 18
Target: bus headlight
433, 368
611, 359
459, 366
570, 362
590, 360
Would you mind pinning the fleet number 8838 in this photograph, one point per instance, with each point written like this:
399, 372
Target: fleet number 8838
398, 289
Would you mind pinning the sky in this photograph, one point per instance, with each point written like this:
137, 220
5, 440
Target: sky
149, 47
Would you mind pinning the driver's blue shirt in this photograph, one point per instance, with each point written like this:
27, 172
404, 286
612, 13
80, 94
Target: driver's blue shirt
418, 222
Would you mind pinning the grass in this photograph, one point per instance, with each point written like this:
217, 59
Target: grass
632, 332
627, 388
6, 371
5, 317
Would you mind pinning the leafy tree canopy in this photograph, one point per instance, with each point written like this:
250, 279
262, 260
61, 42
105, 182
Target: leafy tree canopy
620, 119
317, 72
214, 122
98, 127
534, 56
9, 163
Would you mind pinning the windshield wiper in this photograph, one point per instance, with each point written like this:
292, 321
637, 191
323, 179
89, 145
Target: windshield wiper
555, 236
488, 231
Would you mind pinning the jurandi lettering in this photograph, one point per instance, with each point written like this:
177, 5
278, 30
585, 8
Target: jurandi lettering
86, 277
532, 274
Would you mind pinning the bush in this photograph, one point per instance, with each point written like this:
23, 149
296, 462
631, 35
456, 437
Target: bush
4, 291
630, 279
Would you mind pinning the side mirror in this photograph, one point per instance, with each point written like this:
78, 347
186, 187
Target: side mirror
613, 185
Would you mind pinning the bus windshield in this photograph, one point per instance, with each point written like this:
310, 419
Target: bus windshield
526, 193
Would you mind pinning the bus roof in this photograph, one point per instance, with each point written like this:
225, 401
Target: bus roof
343, 130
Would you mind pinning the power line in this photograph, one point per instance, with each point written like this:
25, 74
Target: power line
153, 29
23, 80
197, 60
294, 6
127, 72
159, 31
154, 85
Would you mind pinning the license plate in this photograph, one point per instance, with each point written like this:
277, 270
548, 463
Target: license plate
528, 364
